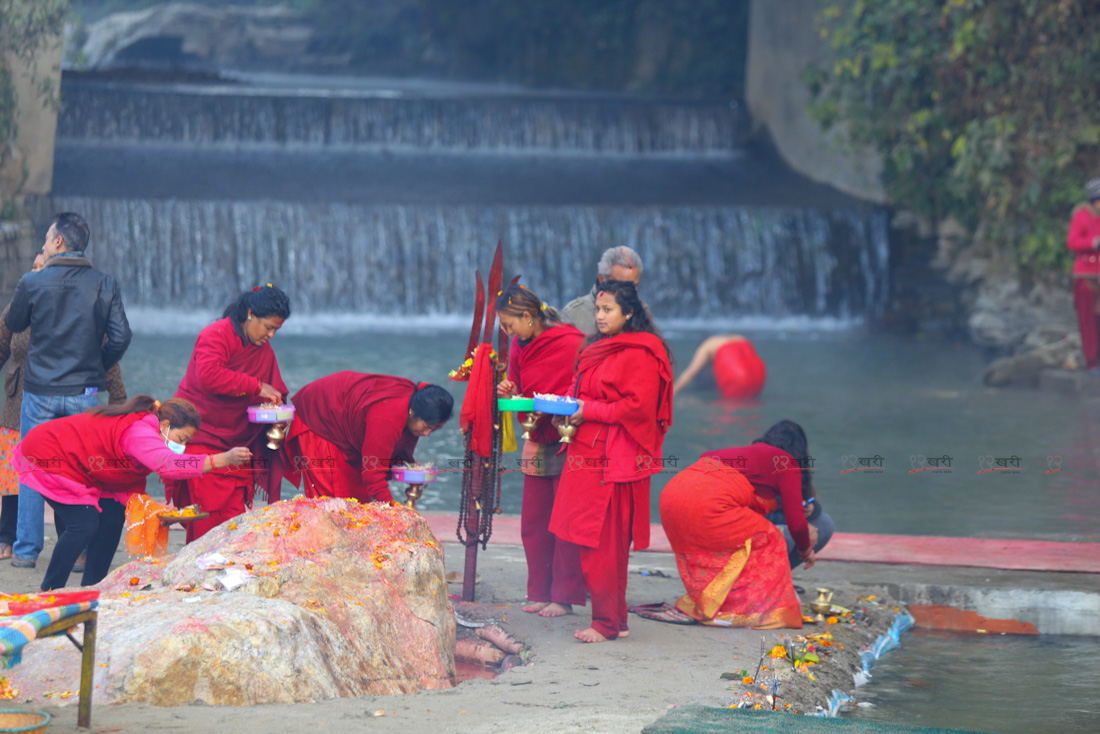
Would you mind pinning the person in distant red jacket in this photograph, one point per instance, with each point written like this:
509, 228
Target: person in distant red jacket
1084, 241
541, 359
87, 466
623, 386
350, 428
232, 367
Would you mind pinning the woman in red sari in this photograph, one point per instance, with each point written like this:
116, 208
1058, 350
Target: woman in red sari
349, 428
87, 466
733, 561
232, 367
624, 391
541, 359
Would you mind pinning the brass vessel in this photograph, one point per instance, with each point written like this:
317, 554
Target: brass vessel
567, 430
276, 434
412, 494
823, 604
529, 424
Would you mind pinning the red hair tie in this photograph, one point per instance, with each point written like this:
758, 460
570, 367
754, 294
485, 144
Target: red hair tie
256, 289
423, 385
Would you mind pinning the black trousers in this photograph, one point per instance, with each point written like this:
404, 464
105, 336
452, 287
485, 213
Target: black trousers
9, 514
84, 527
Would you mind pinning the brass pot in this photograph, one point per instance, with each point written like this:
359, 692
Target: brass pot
567, 430
276, 434
529, 424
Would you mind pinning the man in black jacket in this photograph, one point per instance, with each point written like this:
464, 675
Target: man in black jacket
78, 331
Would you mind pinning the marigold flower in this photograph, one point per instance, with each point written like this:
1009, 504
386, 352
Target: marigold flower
135, 581
747, 680
831, 620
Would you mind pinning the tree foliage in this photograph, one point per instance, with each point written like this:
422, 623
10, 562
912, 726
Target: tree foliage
24, 26
989, 111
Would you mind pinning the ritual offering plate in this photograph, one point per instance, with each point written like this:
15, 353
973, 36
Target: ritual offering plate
191, 513
270, 413
517, 404
416, 474
555, 404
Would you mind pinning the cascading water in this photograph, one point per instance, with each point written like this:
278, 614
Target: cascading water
715, 261
720, 239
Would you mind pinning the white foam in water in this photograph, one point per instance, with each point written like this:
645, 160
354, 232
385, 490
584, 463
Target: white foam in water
144, 320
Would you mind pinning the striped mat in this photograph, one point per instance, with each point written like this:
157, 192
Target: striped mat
16, 632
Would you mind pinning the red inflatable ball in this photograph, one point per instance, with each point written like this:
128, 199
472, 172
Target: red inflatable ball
738, 369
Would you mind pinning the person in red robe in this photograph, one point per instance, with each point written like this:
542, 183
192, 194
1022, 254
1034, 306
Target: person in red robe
1083, 240
732, 559
233, 367
540, 359
623, 388
350, 428
87, 465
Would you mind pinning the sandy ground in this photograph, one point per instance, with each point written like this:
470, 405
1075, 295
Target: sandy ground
569, 686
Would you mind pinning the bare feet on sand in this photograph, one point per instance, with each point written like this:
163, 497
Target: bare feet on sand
553, 609
536, 606
589, 635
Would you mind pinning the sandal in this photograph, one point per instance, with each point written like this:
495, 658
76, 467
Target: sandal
5, 551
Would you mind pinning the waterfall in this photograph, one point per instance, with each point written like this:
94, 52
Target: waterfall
713, 262
238, 115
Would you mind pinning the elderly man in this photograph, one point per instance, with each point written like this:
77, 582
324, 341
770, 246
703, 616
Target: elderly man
78, 332
616, 263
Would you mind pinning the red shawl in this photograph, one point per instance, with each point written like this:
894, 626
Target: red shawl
545, 365
632, 390
365, 416
476, 416
223, 378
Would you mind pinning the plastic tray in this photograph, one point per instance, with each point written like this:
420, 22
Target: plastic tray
413, 476
555, 407
525, 405
260, 414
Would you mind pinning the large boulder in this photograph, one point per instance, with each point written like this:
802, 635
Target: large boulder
344, 600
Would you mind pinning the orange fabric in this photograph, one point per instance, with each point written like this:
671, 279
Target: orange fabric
145, 536
476, 417
733, 562
9, 478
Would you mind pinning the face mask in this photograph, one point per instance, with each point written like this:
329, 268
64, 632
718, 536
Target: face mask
173, 446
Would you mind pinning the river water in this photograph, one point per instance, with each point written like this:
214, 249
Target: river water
859, 395
1005, 684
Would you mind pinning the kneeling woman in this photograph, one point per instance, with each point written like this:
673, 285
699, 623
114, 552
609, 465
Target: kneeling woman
624, 388
350, 428
733, 561
87, 466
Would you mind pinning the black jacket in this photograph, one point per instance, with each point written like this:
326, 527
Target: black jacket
69, 307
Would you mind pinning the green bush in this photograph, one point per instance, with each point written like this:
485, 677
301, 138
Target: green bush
989, 111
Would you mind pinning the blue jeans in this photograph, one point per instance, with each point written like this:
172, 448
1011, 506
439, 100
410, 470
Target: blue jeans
820, 520
36, 409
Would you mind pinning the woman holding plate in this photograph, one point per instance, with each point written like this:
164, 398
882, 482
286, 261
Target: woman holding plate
351, 428
87, 466
232, 367
541, 359
623, 387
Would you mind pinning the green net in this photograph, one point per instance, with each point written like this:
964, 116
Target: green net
706, 720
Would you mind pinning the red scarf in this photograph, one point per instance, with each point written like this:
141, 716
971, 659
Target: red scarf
545, 365
476, 416
222, 380
649, 434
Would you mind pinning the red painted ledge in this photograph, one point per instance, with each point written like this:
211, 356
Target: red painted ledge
921, 550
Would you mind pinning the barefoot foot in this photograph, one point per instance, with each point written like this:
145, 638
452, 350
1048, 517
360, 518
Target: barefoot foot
553, 609
589, 635
535, 606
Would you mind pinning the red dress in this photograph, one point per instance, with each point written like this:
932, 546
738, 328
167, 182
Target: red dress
349, 429
625, 382
733, 562
545, 365
222, 380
